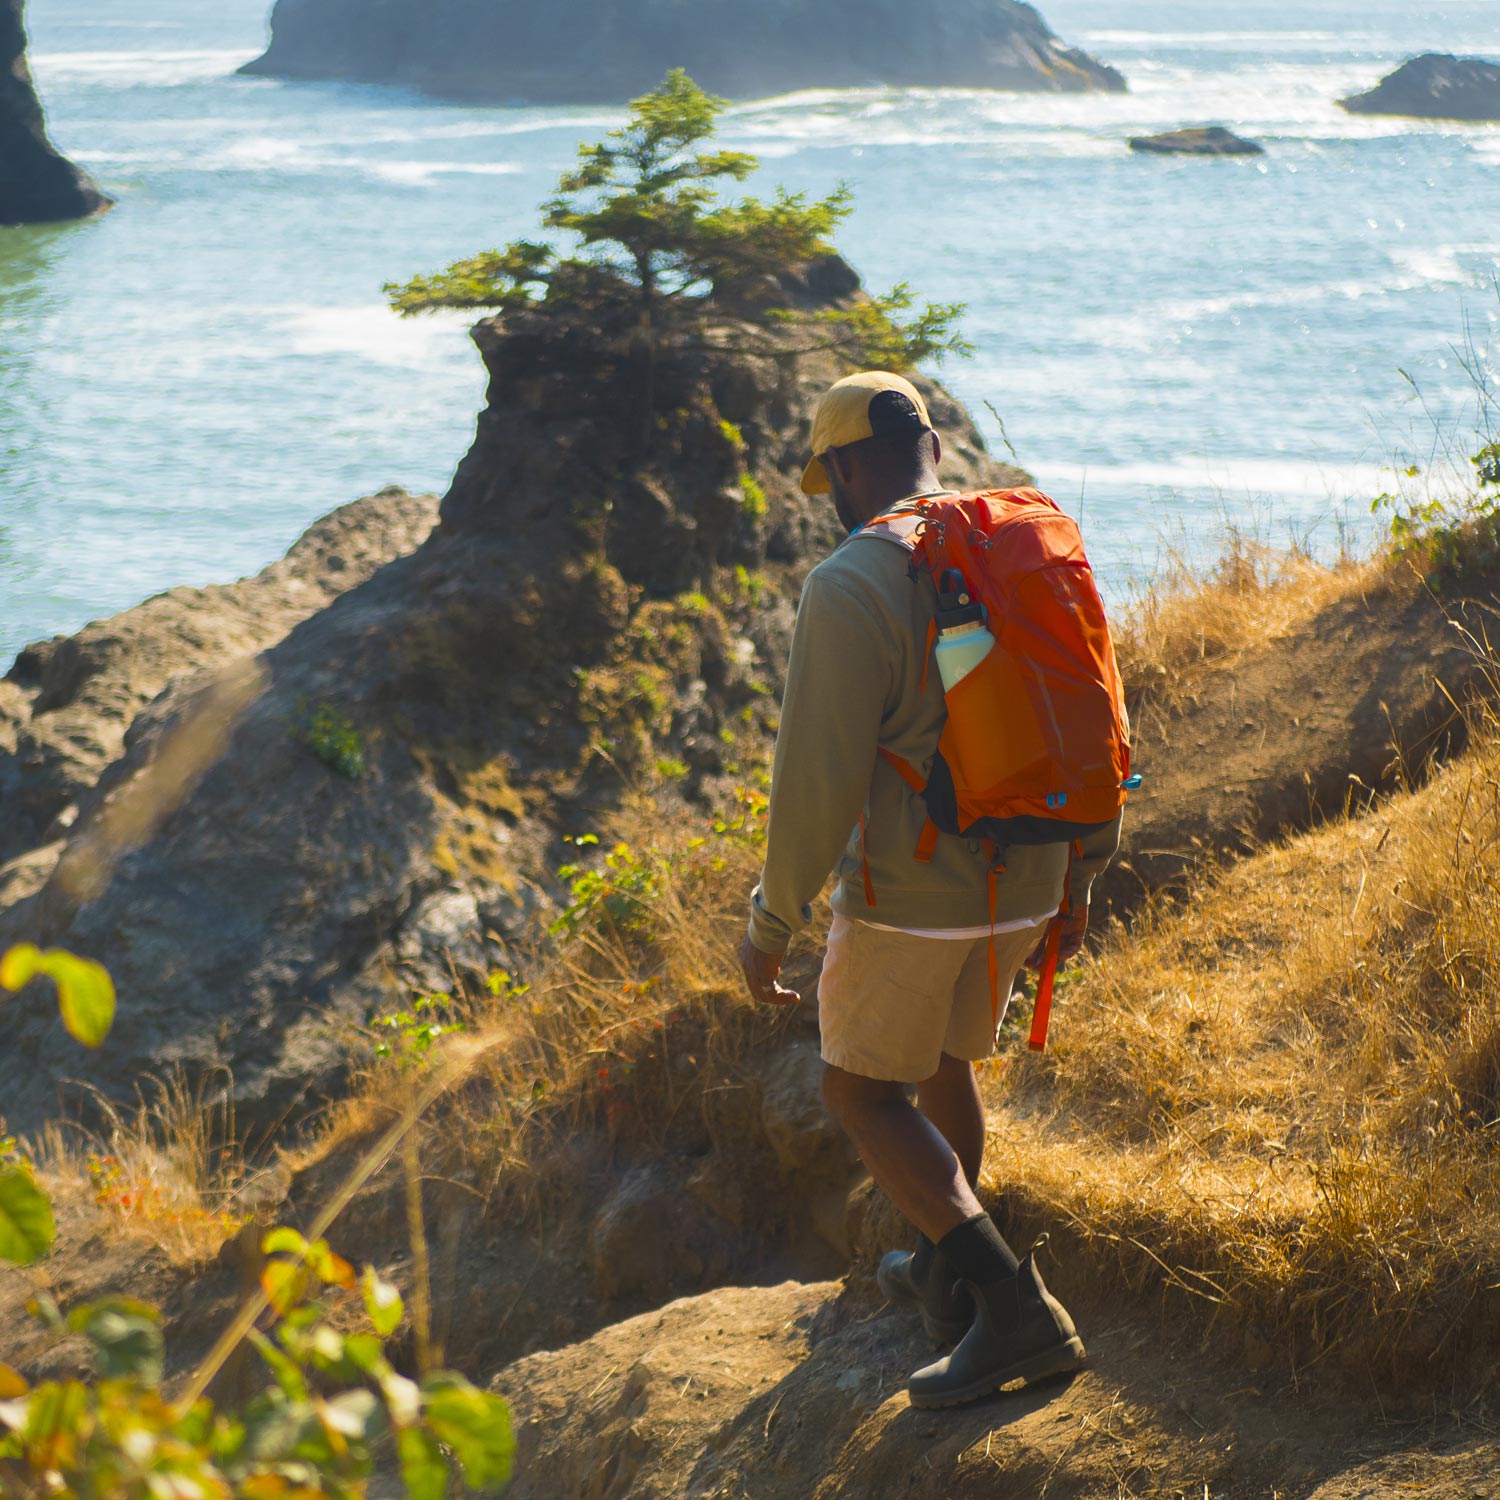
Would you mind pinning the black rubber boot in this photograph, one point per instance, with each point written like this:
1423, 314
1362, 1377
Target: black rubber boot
939, 1296
1020, 1332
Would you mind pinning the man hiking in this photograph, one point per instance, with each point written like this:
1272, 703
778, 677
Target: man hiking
907, 993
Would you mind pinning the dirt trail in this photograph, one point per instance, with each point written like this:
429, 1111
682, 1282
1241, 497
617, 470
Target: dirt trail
796, 1392
1283, 734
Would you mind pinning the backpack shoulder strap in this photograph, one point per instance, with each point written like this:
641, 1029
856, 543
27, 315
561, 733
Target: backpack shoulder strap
902, 528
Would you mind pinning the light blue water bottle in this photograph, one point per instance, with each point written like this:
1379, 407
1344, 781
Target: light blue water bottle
963, 638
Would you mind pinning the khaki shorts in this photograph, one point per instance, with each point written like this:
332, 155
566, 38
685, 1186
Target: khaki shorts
890, 1004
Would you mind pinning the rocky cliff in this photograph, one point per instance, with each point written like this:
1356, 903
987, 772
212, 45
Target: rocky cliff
1436, 86
604, 50
37, 184
288, 839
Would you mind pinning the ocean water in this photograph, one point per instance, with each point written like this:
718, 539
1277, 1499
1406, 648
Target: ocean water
1172, 344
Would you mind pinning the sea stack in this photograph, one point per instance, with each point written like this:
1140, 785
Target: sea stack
1208, 140
38, 185
597, 50
1436, 86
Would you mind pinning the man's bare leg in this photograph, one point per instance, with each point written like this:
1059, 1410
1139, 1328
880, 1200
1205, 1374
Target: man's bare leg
906, 1152
950, 1099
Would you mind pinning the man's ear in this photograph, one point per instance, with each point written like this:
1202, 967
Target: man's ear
833, 462
937, 450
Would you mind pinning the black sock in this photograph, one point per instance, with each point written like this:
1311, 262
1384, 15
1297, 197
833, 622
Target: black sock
978, 1252
921, 1261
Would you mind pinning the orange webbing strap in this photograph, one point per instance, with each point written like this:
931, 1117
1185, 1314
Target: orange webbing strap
904, 769
864, 863
1042, 1012
997, 869
927, 843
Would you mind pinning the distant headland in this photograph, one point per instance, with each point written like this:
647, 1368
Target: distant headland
38, 185
598, 50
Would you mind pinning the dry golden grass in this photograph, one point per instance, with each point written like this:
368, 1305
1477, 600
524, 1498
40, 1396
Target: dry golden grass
1284, 1096
1189, 623
168, 1173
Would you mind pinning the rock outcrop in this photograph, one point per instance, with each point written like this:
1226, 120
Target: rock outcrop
287, 840
796, 1391
599, 50
38, 185
1210, 140
1435, 86
66, 703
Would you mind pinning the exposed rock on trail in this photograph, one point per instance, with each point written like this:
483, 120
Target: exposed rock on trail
1435, 86
594, 50
1211, 140
278, 852
797, 1392
38, 185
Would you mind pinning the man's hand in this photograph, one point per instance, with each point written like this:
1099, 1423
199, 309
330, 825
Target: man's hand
760, 970
1074, 927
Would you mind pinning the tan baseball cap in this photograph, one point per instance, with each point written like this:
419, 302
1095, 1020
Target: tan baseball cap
844, 417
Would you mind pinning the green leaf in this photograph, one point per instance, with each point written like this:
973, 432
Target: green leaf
12, 1386
285, 1284
291, 1380
355, 1415
423, 1468
475, 1424
85, 992
283, 1241
365, 1351
127, 1344
27, 1228
382, 1302
403, 1397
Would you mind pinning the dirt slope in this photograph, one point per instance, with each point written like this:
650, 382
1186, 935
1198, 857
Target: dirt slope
1279, 736
796, 1392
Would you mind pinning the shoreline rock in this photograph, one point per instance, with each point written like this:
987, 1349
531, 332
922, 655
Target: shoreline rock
38, 184
1435, 86
1209, 140
592, 51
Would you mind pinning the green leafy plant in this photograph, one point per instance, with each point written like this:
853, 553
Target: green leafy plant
333, 1400
86, 1001
646, 207
85, 992
407, 1037
332, 736
753, 497
620, 891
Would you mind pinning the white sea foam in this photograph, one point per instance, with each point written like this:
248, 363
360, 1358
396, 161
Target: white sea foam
1218, 38
373, 332
421, 173
1305, 479
131, 69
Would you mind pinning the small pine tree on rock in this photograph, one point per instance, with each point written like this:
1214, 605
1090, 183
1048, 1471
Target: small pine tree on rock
659, 239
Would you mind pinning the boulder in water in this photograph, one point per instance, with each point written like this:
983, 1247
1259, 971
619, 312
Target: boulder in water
38, 185
1210, 140
596, 50
1435, 86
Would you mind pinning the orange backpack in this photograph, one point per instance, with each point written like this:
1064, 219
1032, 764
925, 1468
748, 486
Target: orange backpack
1036, 749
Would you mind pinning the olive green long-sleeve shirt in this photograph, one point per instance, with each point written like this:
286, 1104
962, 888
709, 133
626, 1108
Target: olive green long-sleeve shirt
854, 684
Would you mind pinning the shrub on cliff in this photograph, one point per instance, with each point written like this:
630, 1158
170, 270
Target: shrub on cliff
647, 205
